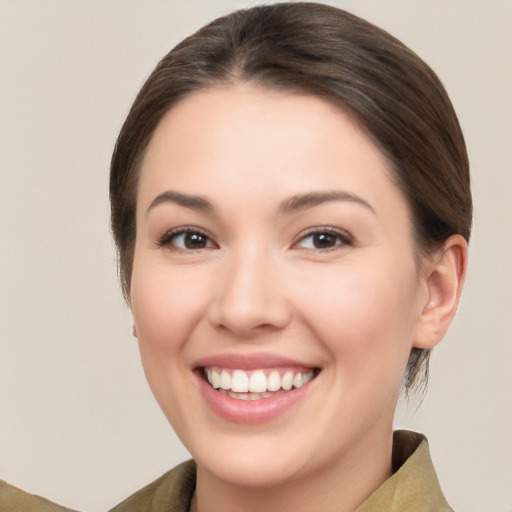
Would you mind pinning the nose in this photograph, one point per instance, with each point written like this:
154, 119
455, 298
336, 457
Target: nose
250, 298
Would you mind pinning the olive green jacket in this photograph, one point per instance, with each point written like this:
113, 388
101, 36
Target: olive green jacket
15, 500
412, 487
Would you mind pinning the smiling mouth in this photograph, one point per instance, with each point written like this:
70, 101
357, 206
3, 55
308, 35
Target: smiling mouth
256, 384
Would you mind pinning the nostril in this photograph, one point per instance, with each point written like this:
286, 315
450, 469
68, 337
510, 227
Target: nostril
248, 321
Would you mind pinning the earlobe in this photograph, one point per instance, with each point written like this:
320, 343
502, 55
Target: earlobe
445, 275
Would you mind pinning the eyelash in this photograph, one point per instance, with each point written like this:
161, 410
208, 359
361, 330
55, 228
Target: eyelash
343, 238
170, 236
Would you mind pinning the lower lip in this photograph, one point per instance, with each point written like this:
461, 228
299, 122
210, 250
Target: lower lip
250, 411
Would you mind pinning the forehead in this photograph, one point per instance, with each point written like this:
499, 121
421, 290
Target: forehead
249, 115
248, 138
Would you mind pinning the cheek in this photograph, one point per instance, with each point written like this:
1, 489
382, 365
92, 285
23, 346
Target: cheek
166, 308
166, 305
364, 315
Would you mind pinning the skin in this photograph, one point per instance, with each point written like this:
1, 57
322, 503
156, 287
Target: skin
352, 310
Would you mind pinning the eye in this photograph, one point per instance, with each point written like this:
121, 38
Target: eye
186, 239
324, 239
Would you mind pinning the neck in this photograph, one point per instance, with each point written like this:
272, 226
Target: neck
341, 487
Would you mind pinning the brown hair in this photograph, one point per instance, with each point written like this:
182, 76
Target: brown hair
320, 50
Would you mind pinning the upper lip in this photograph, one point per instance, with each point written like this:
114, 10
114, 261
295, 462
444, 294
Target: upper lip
249, 361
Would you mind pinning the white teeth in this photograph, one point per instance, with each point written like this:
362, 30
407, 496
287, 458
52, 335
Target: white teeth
298, 380
225, 380
307, 376
246, 396
239, 384
214, 378
258, 382
287, 381
274, 381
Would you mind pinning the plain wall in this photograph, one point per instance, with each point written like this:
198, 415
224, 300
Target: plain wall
78, 423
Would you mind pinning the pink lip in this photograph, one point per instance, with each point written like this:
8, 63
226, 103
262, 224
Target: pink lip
249, 411
249, 361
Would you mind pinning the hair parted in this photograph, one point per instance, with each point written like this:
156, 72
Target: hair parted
329, 53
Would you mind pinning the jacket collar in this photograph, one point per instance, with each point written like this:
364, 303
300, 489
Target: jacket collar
413, 485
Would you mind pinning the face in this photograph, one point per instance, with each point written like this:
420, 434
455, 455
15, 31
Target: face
276, 286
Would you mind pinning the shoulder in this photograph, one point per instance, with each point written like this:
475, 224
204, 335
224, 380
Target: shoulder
13, 499
414, 484
171, 492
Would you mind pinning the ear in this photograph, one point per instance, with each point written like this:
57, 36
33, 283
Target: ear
444, 274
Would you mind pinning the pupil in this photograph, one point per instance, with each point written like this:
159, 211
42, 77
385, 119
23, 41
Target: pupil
323, 240
195, 241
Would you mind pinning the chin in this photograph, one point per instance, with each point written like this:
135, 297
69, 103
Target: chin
253, 470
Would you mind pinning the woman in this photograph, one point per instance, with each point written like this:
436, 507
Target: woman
291, 205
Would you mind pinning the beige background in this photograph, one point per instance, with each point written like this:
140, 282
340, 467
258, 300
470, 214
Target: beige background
77, 421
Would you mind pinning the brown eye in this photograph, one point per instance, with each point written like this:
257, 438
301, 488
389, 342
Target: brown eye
187, 239
324, 239
195, 241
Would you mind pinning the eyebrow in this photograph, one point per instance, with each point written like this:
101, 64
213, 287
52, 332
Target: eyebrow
292, 204
312, 199
185, 200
